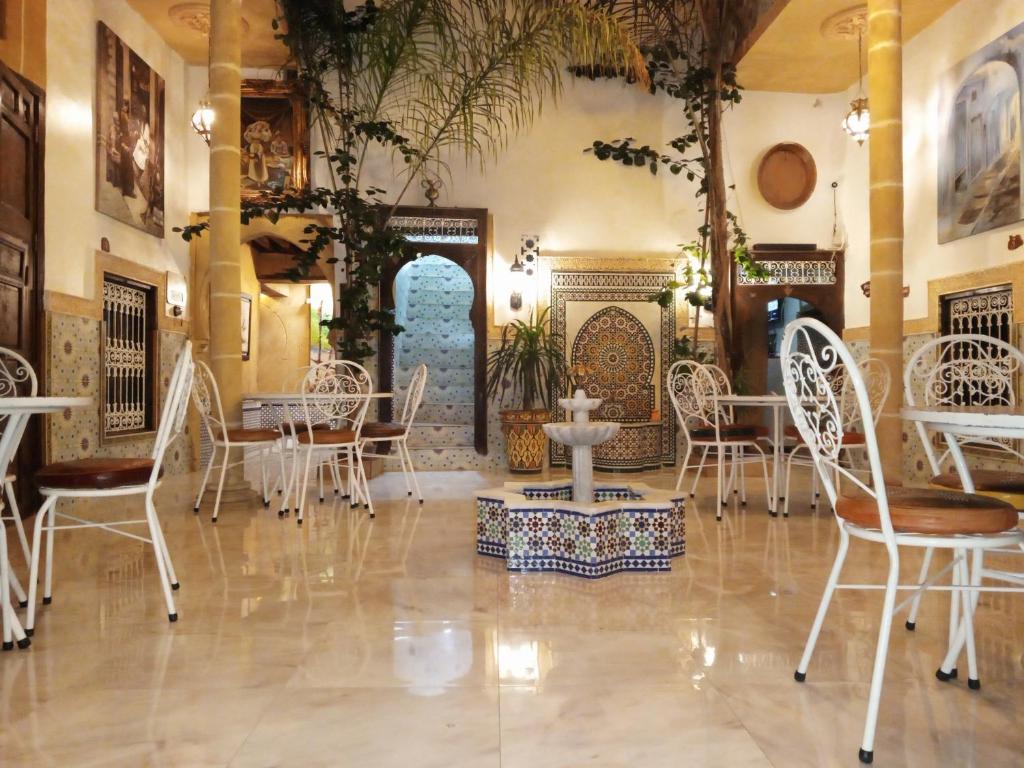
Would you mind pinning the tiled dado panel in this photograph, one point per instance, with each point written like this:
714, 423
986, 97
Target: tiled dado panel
73, 370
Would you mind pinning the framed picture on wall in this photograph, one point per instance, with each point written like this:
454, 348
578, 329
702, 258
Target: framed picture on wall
129, 136
980, 140
275, 138
246, 324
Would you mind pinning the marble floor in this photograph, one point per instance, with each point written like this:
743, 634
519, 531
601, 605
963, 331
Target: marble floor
390, 643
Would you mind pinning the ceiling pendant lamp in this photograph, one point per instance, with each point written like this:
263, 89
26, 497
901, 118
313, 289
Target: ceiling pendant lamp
857, 122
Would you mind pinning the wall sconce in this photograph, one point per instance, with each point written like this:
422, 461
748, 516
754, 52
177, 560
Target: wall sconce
515, 300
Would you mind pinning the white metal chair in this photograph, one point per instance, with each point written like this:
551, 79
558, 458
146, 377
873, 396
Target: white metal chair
206, 396
958, 370
337, 394
398, 432
892, 517
17, 379
877, 380
109, 478
706, 425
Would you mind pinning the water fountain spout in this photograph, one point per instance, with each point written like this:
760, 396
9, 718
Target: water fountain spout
582, 435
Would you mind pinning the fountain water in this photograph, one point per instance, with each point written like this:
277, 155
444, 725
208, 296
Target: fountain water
581, 434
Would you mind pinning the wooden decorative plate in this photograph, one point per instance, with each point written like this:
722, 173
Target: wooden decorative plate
786, 176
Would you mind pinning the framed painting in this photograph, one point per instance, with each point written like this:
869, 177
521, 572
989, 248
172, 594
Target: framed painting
979, 149
275, 138
246, 325
129, 136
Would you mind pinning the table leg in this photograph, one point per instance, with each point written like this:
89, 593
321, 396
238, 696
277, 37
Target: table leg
959, 462
776, 457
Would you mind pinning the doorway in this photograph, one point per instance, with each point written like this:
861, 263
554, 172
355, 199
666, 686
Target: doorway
21, 248
780, 313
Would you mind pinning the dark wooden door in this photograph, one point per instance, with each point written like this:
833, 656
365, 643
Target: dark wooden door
21, 219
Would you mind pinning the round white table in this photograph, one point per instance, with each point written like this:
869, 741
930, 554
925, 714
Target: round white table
778, 404
968, 422
15, 413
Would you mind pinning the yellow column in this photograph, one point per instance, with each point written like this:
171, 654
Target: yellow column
225, 209
885, 90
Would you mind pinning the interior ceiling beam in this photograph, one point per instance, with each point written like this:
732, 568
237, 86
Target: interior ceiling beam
757, 16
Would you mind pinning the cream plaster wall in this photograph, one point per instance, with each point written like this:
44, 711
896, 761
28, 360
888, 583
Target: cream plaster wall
283, 339
73, 226
968, 26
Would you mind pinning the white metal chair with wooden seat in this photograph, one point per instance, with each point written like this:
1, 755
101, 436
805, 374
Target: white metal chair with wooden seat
892, 517
877, 380
206, 396
957, 370
706, 426
397, 433
17, 379
335, 393
111, 478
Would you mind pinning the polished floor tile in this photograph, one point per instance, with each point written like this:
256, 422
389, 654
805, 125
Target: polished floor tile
351, 642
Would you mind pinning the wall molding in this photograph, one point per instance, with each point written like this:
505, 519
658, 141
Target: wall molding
1011, 274
79, 306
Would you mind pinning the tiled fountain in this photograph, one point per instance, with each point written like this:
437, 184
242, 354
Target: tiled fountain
580, 528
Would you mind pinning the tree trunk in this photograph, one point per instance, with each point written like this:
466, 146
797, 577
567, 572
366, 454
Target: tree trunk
721, 261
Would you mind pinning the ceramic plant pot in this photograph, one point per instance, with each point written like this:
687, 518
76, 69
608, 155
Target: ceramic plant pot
525, 441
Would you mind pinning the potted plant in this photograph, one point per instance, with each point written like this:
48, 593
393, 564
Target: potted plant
526, 366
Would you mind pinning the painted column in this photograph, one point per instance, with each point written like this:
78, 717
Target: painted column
225, 211
885, 89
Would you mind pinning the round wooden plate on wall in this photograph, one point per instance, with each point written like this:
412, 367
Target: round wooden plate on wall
786, 176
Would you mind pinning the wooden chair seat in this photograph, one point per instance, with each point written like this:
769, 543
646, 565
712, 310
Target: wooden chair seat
242, 435
1006, 486
849, 438
379, 429
301, 425
95, 474
728, 433
328, 437
931, 511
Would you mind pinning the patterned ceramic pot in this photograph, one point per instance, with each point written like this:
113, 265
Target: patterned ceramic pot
525, 441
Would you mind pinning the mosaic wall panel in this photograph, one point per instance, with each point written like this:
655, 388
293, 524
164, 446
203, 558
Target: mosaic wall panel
73, 370
629, 375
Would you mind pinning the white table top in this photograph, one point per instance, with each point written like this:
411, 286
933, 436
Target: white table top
296, 397
766, 400
995, 421
41, 404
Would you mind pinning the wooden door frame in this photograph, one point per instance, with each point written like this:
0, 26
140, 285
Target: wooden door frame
748, 307
472, 257
34, 440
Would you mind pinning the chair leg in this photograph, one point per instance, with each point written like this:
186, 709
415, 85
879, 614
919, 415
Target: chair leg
286, 483
968, 603
866, 753
412, 470
743, 478
18, 590
33, 571
12, 501
789, 474
367, 501
320, 479
921, 579
686, 462
767, 486
819, 619
206, 479
335, 474
264, 455
700, 469
300, 500
166, 553
815, 492
5, 593
162, 560
220, 484
719, 481
48, 575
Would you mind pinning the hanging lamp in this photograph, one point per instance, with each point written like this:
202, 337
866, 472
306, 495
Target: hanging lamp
203, 117
857, 122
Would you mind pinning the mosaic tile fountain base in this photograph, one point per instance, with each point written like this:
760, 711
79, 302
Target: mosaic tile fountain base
538, 527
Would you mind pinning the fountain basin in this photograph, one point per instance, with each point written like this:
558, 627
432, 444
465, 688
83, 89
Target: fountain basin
581, 432
538, 526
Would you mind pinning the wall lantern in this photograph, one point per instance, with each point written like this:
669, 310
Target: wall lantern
202, 120
515, 301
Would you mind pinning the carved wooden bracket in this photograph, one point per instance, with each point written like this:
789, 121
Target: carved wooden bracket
865, 288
